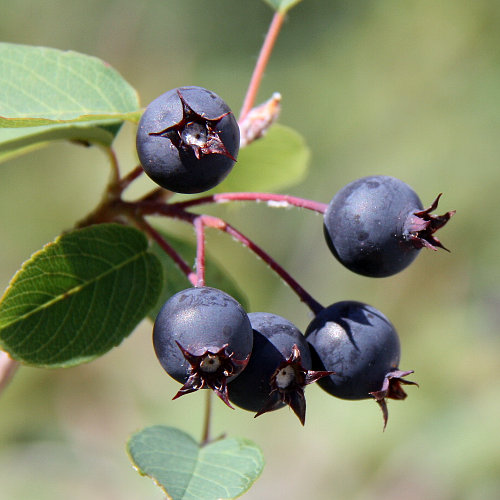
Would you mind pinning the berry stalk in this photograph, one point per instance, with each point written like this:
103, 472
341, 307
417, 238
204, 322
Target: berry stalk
199, 227
280, 271
273, 199
207, 418
169, 250
123, 183
174, 211
115, 167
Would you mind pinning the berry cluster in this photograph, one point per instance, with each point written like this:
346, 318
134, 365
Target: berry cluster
187, 142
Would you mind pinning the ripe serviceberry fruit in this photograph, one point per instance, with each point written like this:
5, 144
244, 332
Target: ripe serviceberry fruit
203, 338
188, 140
359, 344
375, 226
278, 369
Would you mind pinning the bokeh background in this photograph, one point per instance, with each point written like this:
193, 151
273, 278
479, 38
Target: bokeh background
410, 89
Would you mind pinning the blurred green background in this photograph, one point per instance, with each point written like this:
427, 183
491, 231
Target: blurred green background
410, 89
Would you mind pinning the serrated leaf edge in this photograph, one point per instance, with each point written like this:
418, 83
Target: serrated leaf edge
67, 293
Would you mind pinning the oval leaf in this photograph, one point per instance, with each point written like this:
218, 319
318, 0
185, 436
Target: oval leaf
276, 161
79, 296
223, 469
176, 280
69, 93
282, 5
18, 141
133, 116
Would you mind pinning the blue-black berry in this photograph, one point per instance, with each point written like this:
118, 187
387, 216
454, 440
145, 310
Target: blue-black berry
203, 338
359, 344
278, 370
375, 226
188, 140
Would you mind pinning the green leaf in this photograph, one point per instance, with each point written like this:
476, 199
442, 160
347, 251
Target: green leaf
176, 280
79, 296
282, 5
185, 471
133, 116
49, 94
18, 141
274, 162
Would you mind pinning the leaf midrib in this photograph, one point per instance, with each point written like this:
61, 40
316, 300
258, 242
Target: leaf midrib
71, 292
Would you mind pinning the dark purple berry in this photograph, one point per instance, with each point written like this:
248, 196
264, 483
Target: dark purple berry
188, 140
278, 370
359, 344
203, 338
375, 226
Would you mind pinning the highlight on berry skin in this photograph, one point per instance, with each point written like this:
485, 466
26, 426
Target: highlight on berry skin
203, 339
188, 140
375, 226
361, 346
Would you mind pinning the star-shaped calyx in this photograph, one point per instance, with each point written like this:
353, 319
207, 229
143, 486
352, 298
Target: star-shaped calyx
287, 385
391, 388
421, 226
196, 133
211, 369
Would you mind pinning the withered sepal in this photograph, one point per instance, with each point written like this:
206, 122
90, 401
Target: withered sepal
196, 132
421, 226
287, 385
210, 370
391, 388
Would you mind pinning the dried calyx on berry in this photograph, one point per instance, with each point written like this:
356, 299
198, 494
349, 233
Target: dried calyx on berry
287, 385
420, 226
391, 389
203, 339
375, 226
210, 370
362, 347
188, 140
278, 370
196, 132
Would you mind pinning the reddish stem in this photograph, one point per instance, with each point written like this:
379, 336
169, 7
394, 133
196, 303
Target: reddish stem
174, 210
199, 226
115, 168
208, 418
158, 194
169, 250
264, 55
125, 182
271, 198
227, 228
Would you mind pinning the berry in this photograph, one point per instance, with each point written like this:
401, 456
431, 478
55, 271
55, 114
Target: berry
375, 226
203, 338
278, 369
187, 140
359, 344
